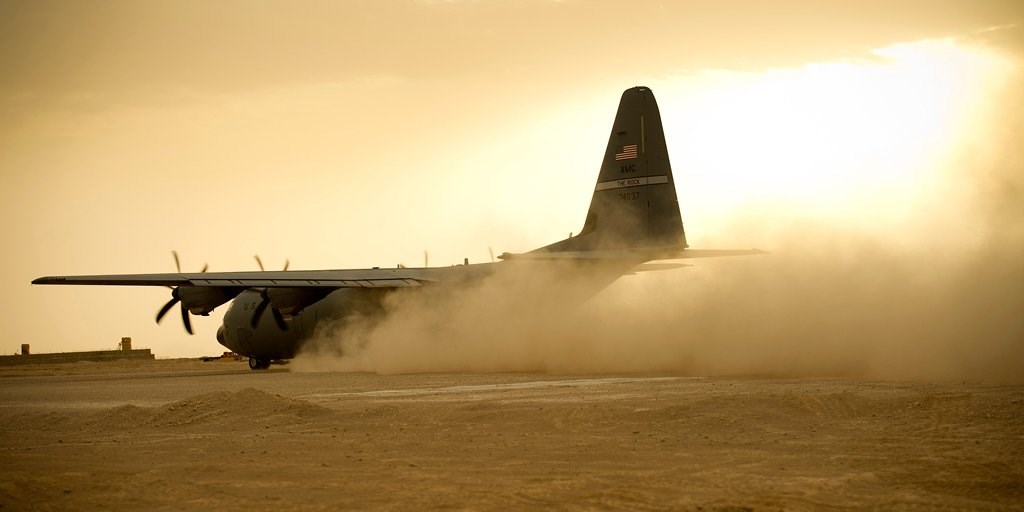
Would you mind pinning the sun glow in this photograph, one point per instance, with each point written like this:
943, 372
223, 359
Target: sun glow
829, 140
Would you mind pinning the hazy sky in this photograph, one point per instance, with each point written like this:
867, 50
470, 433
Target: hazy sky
360, 133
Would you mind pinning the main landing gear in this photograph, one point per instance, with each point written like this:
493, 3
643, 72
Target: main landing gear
258, 364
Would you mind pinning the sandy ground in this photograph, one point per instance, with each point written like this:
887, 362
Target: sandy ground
172, 435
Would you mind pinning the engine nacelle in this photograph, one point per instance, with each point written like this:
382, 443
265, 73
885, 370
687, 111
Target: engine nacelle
201, 300
291, 301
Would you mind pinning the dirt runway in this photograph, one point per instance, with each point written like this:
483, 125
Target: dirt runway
186, 435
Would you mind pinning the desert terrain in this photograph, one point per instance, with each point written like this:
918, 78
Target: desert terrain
188, 435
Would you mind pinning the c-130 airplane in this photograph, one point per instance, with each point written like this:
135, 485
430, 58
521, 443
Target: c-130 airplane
633, 219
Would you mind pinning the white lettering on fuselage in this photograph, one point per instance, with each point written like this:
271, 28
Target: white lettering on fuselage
631, 182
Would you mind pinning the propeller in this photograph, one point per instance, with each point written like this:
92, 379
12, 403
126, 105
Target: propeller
177, 263
262, 306
491, 252
260, 262
184, 311
176, 298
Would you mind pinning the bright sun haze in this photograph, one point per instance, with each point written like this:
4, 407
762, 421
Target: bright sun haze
858, 140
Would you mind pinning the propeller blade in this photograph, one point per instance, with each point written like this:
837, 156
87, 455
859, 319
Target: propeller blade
167, 307
177, 262
206, 266
491, 252
426, 259
279, 318
262, 306
258, 261
185, 320
286, 263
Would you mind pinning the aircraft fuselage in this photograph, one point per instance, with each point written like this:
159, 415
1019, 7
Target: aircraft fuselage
265, 340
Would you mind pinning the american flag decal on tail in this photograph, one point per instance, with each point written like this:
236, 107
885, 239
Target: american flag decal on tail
628, 152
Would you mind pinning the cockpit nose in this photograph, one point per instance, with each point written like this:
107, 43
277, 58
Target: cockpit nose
222, 336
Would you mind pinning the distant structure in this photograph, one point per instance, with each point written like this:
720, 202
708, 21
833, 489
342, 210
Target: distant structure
124, 351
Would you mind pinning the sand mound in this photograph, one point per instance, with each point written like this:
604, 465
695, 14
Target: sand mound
249, 406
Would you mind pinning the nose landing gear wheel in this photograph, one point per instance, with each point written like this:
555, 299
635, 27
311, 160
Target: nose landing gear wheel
258, 364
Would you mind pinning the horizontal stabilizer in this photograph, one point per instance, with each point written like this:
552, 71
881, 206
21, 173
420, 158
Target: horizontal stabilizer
639, 254
654, 267
713, 253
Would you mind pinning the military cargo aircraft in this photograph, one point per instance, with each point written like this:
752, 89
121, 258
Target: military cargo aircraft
633, 219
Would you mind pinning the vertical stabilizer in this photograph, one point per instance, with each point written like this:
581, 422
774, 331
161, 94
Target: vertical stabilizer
634, 205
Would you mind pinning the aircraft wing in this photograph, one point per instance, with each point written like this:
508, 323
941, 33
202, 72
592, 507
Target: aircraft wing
349, 278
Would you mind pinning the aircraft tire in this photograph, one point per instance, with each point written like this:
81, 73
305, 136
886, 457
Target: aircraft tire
258, 364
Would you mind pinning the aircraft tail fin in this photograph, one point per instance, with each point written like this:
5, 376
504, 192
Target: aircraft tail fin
634, 206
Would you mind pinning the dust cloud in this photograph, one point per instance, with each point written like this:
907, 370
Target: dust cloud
935, 296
